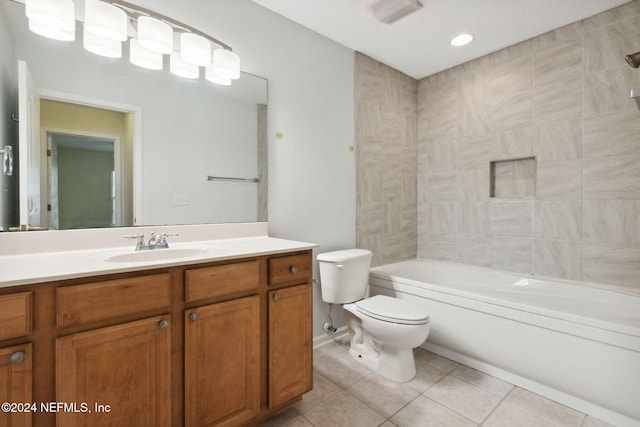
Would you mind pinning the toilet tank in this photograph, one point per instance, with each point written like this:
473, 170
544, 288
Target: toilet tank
344, 275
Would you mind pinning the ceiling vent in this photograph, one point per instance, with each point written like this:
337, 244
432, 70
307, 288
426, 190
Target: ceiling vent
389, 11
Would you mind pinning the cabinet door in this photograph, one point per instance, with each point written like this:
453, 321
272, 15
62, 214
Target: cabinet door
16, 384
126, 368
222, 369
290, 348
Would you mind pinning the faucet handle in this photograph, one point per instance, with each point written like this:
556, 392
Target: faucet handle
140, 237
164, 236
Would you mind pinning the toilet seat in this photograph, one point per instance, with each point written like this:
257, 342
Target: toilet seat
393, 310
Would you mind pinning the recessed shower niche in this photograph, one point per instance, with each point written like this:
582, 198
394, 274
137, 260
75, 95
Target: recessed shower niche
513, 179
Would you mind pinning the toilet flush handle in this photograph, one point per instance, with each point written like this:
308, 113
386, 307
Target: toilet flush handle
339, 265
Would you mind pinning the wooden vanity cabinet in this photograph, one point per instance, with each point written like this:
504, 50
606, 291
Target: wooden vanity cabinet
16, 361
16, 372
223, 343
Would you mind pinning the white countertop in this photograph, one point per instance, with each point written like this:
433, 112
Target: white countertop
21, 269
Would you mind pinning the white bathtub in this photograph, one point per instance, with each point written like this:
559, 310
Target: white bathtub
576, 343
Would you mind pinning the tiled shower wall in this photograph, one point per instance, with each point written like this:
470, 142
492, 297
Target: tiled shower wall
562, 98
386, 114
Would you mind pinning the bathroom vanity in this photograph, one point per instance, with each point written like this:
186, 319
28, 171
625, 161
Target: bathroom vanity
209, 340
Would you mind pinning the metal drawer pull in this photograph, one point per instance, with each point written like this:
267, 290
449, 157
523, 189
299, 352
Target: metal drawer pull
164, 324
293, 269
17, 357
193, 317
276, 297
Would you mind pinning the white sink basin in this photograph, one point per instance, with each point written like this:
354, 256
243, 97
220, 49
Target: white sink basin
157, 255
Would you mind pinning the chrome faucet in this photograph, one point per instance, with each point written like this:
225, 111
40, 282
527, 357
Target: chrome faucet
156, 241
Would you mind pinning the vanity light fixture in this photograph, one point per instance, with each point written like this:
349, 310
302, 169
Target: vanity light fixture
182, 68
226, 64
109, 22
215, 77
101, 46
461, 39
54, 19
105, 20
155, 35
195, 49
389, 11
143, 57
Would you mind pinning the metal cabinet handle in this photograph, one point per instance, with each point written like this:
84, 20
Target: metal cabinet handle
164, 324
193, 317
293, 269
17, 357
276, 297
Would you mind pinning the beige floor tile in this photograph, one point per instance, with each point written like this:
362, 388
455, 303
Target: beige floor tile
595, 422
552, 411
388, 424
281, 418
426, 376
508, 414
299, 421
385, 395
343, 410
424, 412
482, 380
439, 362
463, 398
341, 369
322, 390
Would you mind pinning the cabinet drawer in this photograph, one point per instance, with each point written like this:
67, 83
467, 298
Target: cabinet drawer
15, 315
93, 302
220, 280
290, 270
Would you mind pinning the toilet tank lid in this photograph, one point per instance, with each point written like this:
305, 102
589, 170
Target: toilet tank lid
343, 255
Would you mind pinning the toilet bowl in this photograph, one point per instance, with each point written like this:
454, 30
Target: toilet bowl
383, 330
383, 333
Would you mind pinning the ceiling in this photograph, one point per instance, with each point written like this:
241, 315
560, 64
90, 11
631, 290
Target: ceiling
418, 44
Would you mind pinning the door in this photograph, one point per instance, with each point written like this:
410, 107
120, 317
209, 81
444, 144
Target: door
222, 369
15, 385
29, 149
122, 373
290, 343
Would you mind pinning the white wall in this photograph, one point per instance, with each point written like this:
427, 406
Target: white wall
311, 170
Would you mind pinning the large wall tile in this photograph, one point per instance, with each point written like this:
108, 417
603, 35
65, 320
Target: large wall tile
511, 218
568, 33
612, 134
474, 249
513, 144
558, 220
438, 246
611, 264
560, 180
473, 218
557, 100
557, 258
512, 254
606, 46
610, 221
473, 185
560, 140
440, 155
608, 90
612, 177
559, 61
474, 152
443, 217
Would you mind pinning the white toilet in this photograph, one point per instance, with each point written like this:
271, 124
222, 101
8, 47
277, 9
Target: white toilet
383, 330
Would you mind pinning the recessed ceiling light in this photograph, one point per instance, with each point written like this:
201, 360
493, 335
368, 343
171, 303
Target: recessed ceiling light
461, 39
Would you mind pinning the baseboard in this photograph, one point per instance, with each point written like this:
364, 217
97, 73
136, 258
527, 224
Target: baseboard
325, 338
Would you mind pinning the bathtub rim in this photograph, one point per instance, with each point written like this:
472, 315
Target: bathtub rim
631, 331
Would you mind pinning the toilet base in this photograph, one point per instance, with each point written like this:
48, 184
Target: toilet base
390, 362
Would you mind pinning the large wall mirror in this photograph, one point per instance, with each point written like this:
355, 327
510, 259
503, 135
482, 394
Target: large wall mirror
121, 145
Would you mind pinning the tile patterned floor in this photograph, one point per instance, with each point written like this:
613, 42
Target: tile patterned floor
443, 393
